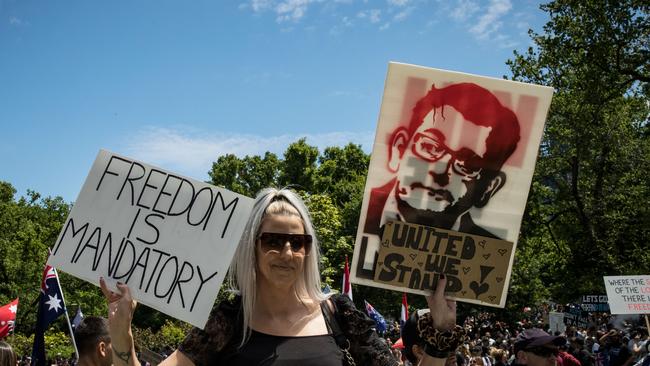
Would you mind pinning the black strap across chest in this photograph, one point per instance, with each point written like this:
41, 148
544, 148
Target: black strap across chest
332, 321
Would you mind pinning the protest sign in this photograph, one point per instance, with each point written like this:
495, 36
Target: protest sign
169, 238
452, 151
413, 256
556, 322
594, 303
628, 294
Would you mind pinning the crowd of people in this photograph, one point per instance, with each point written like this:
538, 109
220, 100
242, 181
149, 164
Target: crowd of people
489, 342
605, 341
280, 316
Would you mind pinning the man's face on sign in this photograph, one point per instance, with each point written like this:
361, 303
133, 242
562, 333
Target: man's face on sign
441, 170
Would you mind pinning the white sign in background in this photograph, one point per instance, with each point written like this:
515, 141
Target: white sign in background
556, 322
169, 238
628, 294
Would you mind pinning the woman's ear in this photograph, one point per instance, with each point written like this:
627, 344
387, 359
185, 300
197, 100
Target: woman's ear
398, 143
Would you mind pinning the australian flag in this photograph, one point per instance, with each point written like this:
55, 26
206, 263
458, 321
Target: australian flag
374, 314
50, 307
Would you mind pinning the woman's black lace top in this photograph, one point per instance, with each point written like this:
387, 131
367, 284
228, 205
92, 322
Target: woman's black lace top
222, 335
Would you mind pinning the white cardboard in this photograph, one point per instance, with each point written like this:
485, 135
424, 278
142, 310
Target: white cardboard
169, 238
628, 294
501, 216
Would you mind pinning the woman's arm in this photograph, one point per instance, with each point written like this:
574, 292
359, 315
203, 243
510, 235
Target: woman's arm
443, 315
120, 314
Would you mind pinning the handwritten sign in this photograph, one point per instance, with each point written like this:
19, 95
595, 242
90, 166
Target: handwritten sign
414, 256
628, 294
170, 238
455, 152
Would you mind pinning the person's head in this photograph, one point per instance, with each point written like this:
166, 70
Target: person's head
7, 355
278, 249
93, 341
535, 347
449, 158
413, 343
499, 355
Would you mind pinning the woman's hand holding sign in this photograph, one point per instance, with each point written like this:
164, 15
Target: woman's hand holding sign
443, 308
120, 314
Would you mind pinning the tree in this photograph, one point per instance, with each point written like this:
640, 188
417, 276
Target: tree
299, 166
587, 203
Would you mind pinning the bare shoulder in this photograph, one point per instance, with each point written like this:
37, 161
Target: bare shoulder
177, 358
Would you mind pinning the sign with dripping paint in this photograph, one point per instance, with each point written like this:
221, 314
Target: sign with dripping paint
455, 153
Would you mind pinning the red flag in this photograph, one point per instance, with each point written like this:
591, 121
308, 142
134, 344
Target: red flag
405, 310
8, 318
347, 287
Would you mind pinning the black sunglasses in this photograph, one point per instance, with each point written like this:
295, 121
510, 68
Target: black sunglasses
544, 352
276, 241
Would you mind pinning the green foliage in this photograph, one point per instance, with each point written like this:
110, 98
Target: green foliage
28, 227
171, 334
586, 215
56, 343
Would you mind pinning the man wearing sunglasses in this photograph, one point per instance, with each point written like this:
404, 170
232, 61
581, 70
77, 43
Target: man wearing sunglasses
535, 347
446, 161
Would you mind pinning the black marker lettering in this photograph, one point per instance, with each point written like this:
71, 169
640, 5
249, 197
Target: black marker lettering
147, 185
162, 270
179, 280
70, 223
203, 281
98, 231
157, 236
130, 180
106, 171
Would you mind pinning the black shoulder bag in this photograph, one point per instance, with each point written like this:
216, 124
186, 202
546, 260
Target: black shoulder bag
332, 321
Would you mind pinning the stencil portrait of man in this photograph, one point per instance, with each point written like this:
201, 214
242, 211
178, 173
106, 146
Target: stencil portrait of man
446, 161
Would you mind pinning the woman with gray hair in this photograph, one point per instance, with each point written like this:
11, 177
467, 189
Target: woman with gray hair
279, 315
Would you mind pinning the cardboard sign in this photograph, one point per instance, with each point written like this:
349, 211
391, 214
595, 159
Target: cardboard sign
169, 238
454, 152
413, 256
556, 322
628, 294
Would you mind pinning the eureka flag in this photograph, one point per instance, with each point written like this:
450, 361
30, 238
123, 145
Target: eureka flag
8, 318
50, 307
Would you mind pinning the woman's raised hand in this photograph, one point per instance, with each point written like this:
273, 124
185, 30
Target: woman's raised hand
120, 306
443, 310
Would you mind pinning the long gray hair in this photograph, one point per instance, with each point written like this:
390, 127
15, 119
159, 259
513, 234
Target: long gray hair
243, 269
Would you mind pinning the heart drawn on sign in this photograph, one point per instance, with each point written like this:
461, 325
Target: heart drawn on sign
499, 279
413, 256
486, 256
421, 264
502, 251
482, 244
479, 289
492, 298
385, 243
463, 292
466, 270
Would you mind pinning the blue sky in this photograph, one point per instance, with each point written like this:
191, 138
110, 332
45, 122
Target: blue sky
178, 83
